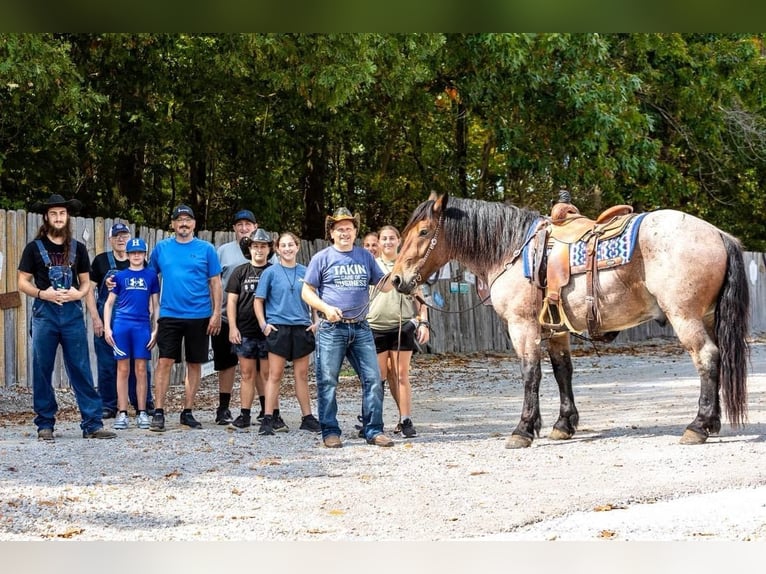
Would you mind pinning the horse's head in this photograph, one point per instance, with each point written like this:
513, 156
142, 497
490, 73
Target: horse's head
423, 248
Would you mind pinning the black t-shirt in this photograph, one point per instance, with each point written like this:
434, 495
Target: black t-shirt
32, 262
100, 267
243, 281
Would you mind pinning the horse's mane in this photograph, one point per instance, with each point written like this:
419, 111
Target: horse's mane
480, 233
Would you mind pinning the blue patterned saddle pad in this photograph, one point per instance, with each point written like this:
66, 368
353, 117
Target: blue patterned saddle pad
610, 252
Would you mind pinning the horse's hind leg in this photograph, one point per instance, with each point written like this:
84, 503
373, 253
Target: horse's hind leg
561, 360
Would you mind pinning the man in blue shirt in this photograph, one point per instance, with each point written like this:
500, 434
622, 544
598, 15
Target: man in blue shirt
337, 285
190, 310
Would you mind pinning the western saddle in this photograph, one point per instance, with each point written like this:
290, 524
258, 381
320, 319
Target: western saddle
551, 265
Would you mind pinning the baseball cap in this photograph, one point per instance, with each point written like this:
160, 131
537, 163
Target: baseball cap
182, 210
136, 244
118, 228
244, 214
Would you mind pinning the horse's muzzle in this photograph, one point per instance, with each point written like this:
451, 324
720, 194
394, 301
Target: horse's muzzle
401, 285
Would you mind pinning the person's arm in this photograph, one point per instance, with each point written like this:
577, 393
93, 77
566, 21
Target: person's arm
154, 311
423, 331
235, 337
311, 297
216, 293
108, 306
26, 285
90, 304
260, 312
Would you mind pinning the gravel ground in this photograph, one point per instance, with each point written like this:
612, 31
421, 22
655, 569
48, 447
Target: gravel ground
623, 477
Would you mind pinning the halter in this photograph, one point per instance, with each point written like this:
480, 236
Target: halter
434, 240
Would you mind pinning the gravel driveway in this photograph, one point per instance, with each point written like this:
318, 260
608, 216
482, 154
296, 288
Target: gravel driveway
622, 477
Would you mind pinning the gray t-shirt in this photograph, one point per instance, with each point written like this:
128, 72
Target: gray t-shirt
230, 255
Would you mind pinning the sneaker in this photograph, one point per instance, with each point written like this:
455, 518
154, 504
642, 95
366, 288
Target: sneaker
380, 440
398, 428
310, 423
121, 422
360, 426
260, 416
158, 422
150, 409
143, 421
108, 413
189, 420
223, 416
278, 424
333, 441
99, 433
45, 435
266, 427
241, 422
407, 428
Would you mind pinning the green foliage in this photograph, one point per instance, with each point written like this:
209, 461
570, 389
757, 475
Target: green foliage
294, 125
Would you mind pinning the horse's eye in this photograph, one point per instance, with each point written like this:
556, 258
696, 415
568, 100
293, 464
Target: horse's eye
423, 232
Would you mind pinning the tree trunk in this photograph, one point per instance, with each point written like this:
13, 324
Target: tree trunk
313, 192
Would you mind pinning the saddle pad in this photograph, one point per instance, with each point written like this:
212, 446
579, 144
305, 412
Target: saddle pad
617, 250
610, 252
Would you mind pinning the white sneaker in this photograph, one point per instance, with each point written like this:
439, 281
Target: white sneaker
143, 421
121, 421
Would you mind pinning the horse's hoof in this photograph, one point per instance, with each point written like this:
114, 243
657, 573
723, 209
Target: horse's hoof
517, 441
692, 437
557, 434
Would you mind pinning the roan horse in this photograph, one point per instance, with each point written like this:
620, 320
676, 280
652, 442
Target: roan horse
683, 270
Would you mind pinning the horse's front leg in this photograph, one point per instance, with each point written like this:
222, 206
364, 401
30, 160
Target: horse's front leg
525, 337
561, 360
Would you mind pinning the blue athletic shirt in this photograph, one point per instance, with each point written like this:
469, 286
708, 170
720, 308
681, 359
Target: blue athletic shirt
280, 288
186, 269
342, 278
134, 290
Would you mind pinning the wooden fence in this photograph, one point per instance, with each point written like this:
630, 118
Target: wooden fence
460, 325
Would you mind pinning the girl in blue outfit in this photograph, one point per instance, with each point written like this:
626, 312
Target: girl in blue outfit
135, 302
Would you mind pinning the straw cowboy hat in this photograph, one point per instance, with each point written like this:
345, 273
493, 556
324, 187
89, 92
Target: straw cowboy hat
73, 206
340, 214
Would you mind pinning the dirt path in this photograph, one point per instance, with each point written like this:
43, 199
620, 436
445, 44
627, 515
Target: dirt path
623, 477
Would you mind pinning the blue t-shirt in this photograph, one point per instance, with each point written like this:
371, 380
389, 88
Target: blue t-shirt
186, 269
280, 288
134, 290
341, 278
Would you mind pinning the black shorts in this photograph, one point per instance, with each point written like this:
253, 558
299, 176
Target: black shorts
224, 356
291, 341
391, 341
193, 333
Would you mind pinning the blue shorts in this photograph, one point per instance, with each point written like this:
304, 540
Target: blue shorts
251, 348
131, 339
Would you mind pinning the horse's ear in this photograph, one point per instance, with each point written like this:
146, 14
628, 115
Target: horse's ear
440, 201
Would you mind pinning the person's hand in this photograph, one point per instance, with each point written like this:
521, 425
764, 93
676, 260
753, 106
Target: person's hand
423, 333
333, 314
98, 326
214, 325
152, 339
108, 337
235, 337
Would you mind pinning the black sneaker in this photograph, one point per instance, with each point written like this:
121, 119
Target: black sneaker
189, 420
150, 409
260, 416
108, 413
408, 430
158, 422
278, 424
223, 416
310, 423
241, 422
266, 427
359, 427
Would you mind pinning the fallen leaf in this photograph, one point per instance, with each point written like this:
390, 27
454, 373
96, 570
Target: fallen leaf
607, 534
337, 512
70, 532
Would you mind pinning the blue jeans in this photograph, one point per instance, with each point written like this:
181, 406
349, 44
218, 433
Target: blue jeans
54, 325
107, 376
354, 341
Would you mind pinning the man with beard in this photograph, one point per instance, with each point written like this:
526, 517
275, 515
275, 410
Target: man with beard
55, 270
190, 310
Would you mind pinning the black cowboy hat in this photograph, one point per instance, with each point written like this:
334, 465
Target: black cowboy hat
257, 236
73, 206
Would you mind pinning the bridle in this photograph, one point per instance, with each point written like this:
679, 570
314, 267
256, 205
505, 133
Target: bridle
417, 278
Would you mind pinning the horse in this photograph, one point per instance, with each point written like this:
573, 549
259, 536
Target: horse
683, 270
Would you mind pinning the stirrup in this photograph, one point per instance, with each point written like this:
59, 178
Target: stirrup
550, 318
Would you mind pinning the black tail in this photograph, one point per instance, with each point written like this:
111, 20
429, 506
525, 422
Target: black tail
732, 327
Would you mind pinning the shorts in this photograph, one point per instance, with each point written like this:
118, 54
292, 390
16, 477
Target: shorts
251, 348
131, 339
223, 355
291, 341
391, 341
193, 333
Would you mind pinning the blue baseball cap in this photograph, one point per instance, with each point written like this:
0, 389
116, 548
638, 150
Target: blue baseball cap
244, 214
136, 245
182, 210
118, 228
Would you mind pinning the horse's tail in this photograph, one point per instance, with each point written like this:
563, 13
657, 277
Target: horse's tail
732, 327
